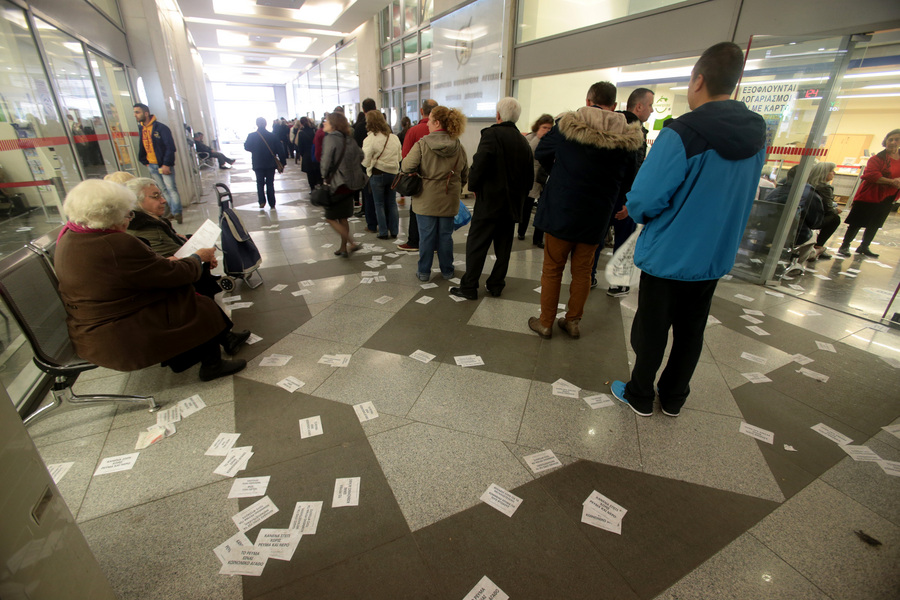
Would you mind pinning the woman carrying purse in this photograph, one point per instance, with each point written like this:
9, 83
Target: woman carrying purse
341, 159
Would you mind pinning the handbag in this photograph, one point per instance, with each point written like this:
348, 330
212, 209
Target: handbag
463, 217
407, 184
278, 166
322, 195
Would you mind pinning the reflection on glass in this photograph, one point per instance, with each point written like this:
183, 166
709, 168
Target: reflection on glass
541, 18
117, 103
385, 22
385, 56
396, 52
427, 10
396, 17
427, 39
410, 46
109, 7
410, 12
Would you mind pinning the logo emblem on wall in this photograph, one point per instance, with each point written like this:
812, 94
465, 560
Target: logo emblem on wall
464, 43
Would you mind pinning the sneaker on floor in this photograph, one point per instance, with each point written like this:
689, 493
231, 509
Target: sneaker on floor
618, 291
423, 276
669, 412
534, 324
618, 390
408, 248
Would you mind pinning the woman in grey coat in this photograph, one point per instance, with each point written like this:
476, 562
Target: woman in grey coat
341, 168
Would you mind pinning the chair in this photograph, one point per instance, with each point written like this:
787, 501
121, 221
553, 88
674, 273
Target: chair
29, 287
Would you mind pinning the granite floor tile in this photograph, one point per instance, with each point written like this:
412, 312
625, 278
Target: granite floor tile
814, 533
343, 323
866, 483
520, 452
505, 315
568, 426
214, 392
84, 452
879, 343
436, 472
365, 296
727, 345
710, 392
163, 549
384, 422
671, 526
304, 364
64, 424
397, 567
733, 378
486, 404
151, 380
390, 381
271, 326
326, 289
707, 449
745, 568
828, 322
727, 290
888, 438
538, 540
172, 465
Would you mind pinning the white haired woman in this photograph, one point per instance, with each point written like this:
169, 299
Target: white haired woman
128, 307
820, 178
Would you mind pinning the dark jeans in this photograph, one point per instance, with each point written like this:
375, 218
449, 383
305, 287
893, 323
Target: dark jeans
682, 306
385, 202
369, 208
314, 176
830, 223
483, 233
265, 186
527, 206
412, 238
221, 158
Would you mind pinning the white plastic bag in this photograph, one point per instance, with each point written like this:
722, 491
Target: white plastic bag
620, 270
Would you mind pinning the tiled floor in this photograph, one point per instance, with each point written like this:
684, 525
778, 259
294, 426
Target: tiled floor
712, 513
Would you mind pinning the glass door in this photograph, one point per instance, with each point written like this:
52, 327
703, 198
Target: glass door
116, 102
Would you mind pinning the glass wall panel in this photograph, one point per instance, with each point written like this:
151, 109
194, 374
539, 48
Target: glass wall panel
427, 39
427, 11
396, 52
117, 103
110, 8
385, 56
542, 18
410, 102
330, 82
385, 25
410, 13
396, 20
411, 72
84, 117
411, 46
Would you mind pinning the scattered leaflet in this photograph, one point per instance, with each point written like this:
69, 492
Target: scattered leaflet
346, 492
238, 540
249, 487
756, 377
422, 356
831, 434
255, 514
601, 512
753, 358
486, 590
599, 401
244, 561
189, 406
114, 464
275, 360
757, 432
306, 517
542, 461
222, 444
826, 346
365, 411
504, 501
59, 470
279, 543
860, 453
813, 375
335, 360
469, 360
311, 427
235, 460
563, 388
291, 384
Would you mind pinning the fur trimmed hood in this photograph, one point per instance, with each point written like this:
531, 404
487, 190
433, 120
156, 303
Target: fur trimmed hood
600, 128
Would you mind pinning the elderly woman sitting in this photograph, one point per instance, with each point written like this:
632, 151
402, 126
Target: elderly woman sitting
128, 307
150, 225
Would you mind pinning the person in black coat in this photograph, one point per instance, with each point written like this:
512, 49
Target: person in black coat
263, 145
307, 152
502, 173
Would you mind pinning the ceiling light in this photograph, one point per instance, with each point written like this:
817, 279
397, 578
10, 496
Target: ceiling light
234, 7
866, 75
231, 59
295, 43
230, 38
282, 62
885, 86
320, 14
870, 96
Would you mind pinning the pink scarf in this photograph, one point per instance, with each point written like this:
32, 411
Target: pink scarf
70, 226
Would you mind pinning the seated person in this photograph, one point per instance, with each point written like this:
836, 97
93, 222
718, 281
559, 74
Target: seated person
201, 147
119, 177
809, 212
150, 225
128, 307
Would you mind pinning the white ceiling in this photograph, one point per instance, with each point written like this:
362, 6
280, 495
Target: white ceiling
270, 41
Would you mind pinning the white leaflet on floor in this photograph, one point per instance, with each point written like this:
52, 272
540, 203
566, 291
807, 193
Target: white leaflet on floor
542, 461
231, 299
428, 286
538, 289
346, 492
383, 300
454, 280
853, 270
565, 392
802, 360
789, 448
599, 401
378, 258
861, 453
59, 470
893, 429
727, 277
825, 346
253, 338
560, 306
306, 517
757, 432
380, 279
147, 438
776, 294
249, 487
222, 444
891, 467
310, 261
373, 263
189, 406
744, 298
398, 242
335, 360
367, 280
756, 261
235, 460
169, 415
114, 464
755, 313
205, 237
368, 274
244, 561
469, 360
291, 384
711, 320
813, 375
457, 298
302, 292
422, 356
395, 266
456, 263
311, 427
757, 330
255, 514
796, 287
755, 377
846, 274
391, 255
831, 434
238, 540
563, 383
279, 543
486, 589
240, 305
493, 257
823, 277
601, 522
365, 411
424, 300
602, 512
279, 287
753, 358
751, 319
504, 501
275, 360
358, 235
435, 270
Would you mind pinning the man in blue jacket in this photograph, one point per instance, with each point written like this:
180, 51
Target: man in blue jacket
693, 194
263, 146
158, 153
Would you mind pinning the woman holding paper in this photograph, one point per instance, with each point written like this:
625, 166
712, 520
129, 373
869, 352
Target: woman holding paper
128, 307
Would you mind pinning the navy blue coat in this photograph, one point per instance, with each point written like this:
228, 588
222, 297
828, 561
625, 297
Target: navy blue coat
163, 145
263, 158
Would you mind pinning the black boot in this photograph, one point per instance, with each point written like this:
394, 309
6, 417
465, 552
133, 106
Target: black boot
234, 341
221, 368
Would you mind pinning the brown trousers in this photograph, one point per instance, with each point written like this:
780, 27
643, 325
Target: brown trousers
556, 254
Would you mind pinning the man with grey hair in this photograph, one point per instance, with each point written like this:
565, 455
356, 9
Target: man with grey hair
502, 173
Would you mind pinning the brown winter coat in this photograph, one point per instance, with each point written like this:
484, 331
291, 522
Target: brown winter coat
437, 156
128, 307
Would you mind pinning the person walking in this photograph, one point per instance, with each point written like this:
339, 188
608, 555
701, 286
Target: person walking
262, 146
157, 152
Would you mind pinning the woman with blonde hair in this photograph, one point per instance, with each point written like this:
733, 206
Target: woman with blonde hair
820, 178
441, 161
381, 158
340, 166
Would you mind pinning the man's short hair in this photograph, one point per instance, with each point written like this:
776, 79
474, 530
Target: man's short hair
721, 67
509, 109
368, 104
261, 122
636, 96
141, 106
602, 93
198, 134
428, 106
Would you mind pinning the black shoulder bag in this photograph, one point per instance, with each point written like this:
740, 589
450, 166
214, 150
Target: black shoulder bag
322, 194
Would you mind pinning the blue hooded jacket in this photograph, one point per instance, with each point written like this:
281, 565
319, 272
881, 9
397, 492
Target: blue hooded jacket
695, 190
